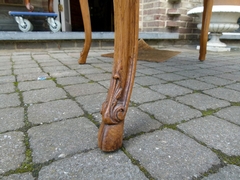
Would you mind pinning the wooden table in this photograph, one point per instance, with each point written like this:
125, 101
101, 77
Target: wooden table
126, 21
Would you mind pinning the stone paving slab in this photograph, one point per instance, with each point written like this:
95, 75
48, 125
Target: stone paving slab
194, 84
142, 95
223, 93
24, 176
216, 133
12, 152
231, 114
31, 85
43, 95
11, 119
9, 100
92, 103
168, 154
84, 89
7, 88
60, 139
202, 101
93, 165
53, 111
229, 172
170, 112
171, 90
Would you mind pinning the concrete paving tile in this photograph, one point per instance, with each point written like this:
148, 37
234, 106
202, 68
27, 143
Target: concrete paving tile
170, 89
71, 80
31, 76
27, 70
234, 86
202, 101
12, 151
169, 111
229, 172
9, 100
216, 80
43, 95
22, 66
231, 114
7, 88
149, 71
223, 93
99, 77
51, 69
11, 119
7, 79
24, 176
93, 165
92, 103
142, 95
148, 80
84, 89
229, 76
169, 77
6, 72
60, 139
53, 111
31, 85
194, 84
216, 133
169, 154
64, 73
90, 71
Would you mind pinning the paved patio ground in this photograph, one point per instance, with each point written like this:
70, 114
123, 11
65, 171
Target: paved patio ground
183, 121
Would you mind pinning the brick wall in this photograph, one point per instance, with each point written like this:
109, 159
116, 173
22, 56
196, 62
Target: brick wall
169, 16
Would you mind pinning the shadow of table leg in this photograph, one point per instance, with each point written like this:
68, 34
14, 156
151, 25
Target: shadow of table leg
207, 12
87, 29
114, 109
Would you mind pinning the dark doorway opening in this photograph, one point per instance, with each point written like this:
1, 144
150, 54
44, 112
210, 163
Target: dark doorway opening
101, 12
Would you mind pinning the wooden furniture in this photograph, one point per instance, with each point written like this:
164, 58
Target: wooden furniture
126, 19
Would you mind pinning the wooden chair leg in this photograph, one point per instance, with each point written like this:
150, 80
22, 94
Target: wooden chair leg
114, 109
87, 29
50, 5
207, 12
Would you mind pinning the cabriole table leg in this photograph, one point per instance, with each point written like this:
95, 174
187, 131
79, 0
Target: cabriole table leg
114, 109
87, 29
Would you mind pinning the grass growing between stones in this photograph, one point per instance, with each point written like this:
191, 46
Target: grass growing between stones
209, 112
235, 160
137, 163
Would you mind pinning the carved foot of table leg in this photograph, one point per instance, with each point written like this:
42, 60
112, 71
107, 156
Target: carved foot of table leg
114, 109
110, 137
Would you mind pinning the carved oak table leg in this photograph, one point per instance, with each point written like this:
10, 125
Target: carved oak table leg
114, 109
207, 12
87, 29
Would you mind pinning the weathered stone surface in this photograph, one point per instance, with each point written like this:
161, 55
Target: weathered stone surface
171, 89
59, 139
229, 172
169, 111
43, 95
93, 165
25, 176
169, 154
53, 111
231, 114
11, 119
12, 151
216, 133
202, 101
9, 100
